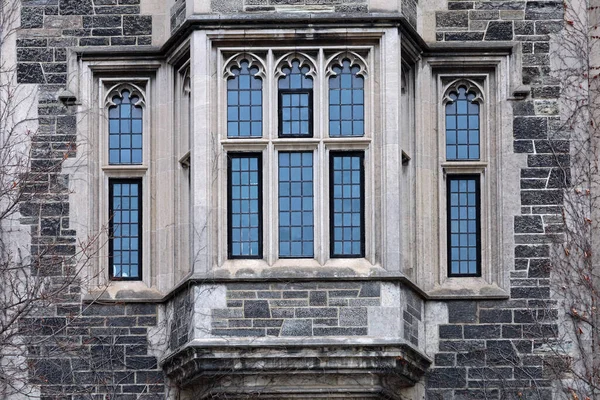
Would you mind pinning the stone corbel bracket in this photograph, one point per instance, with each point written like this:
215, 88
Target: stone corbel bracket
309, 371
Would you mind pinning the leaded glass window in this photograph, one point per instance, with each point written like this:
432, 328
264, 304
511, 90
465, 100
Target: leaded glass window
347, 204
296, 213
464, 235
125, 130
295, 101
462, 126
346, 101
244, 102
125, 229
245, 205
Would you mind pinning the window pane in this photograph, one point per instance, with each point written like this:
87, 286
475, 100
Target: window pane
347, 204
125, 119
463, 224
462, 114
296, 223
125, 209
346, 101
245, 205
295, 101
244, 100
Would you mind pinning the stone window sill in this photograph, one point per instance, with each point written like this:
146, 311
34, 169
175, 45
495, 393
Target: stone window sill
467, 288
125, 291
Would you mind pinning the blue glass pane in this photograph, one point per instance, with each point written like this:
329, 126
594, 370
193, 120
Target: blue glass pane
125, 119
295, 204
295, 90
462, 126
346, 101
347, 205
463, 246
244, 201
244, 100
125, 237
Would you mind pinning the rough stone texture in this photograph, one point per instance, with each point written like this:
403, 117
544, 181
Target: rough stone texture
78, 350
303, 309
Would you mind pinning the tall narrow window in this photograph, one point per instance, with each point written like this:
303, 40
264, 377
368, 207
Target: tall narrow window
125, 240
244, 101
295, 101
464, 237
245, 205
346, 101
125, 129
462, 125
296, 214
347, 204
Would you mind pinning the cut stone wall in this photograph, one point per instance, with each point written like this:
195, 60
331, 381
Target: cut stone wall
498, 348
76, 350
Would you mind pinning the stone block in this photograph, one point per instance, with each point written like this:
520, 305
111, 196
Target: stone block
333, 331
500, 5
318, 298
530, 127
523, 146
370, 289
548, 160
460, 5
444, 359
539, 268
353, 316
482, 331
462, 311
536, 10
450, 331
256, 309
317, 312
446, 378
499, 31
528, 224
134, 25
463, 36
296, 327
530, 292
76, 7
32, 17
495, 316
452, 19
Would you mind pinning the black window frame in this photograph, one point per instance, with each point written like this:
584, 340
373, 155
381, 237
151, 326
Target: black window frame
361, 155
449, 179
111, 183
280, 93
230, 256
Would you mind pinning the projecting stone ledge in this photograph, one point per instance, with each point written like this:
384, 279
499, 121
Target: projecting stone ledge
299, 369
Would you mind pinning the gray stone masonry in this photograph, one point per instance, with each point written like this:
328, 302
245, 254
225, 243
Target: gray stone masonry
297, 309
496, 344
76, 350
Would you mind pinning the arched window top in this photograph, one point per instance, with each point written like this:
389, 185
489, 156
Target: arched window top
295, 76
463, 120
471, 91
295, 91
346, 99
244, 63
116, 95
356, 63
244, 97
125, 125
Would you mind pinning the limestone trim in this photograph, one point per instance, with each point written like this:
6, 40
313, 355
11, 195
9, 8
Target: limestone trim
485, 78
273, 59
367, 369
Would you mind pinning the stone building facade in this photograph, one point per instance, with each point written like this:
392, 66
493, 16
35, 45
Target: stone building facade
201, 310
